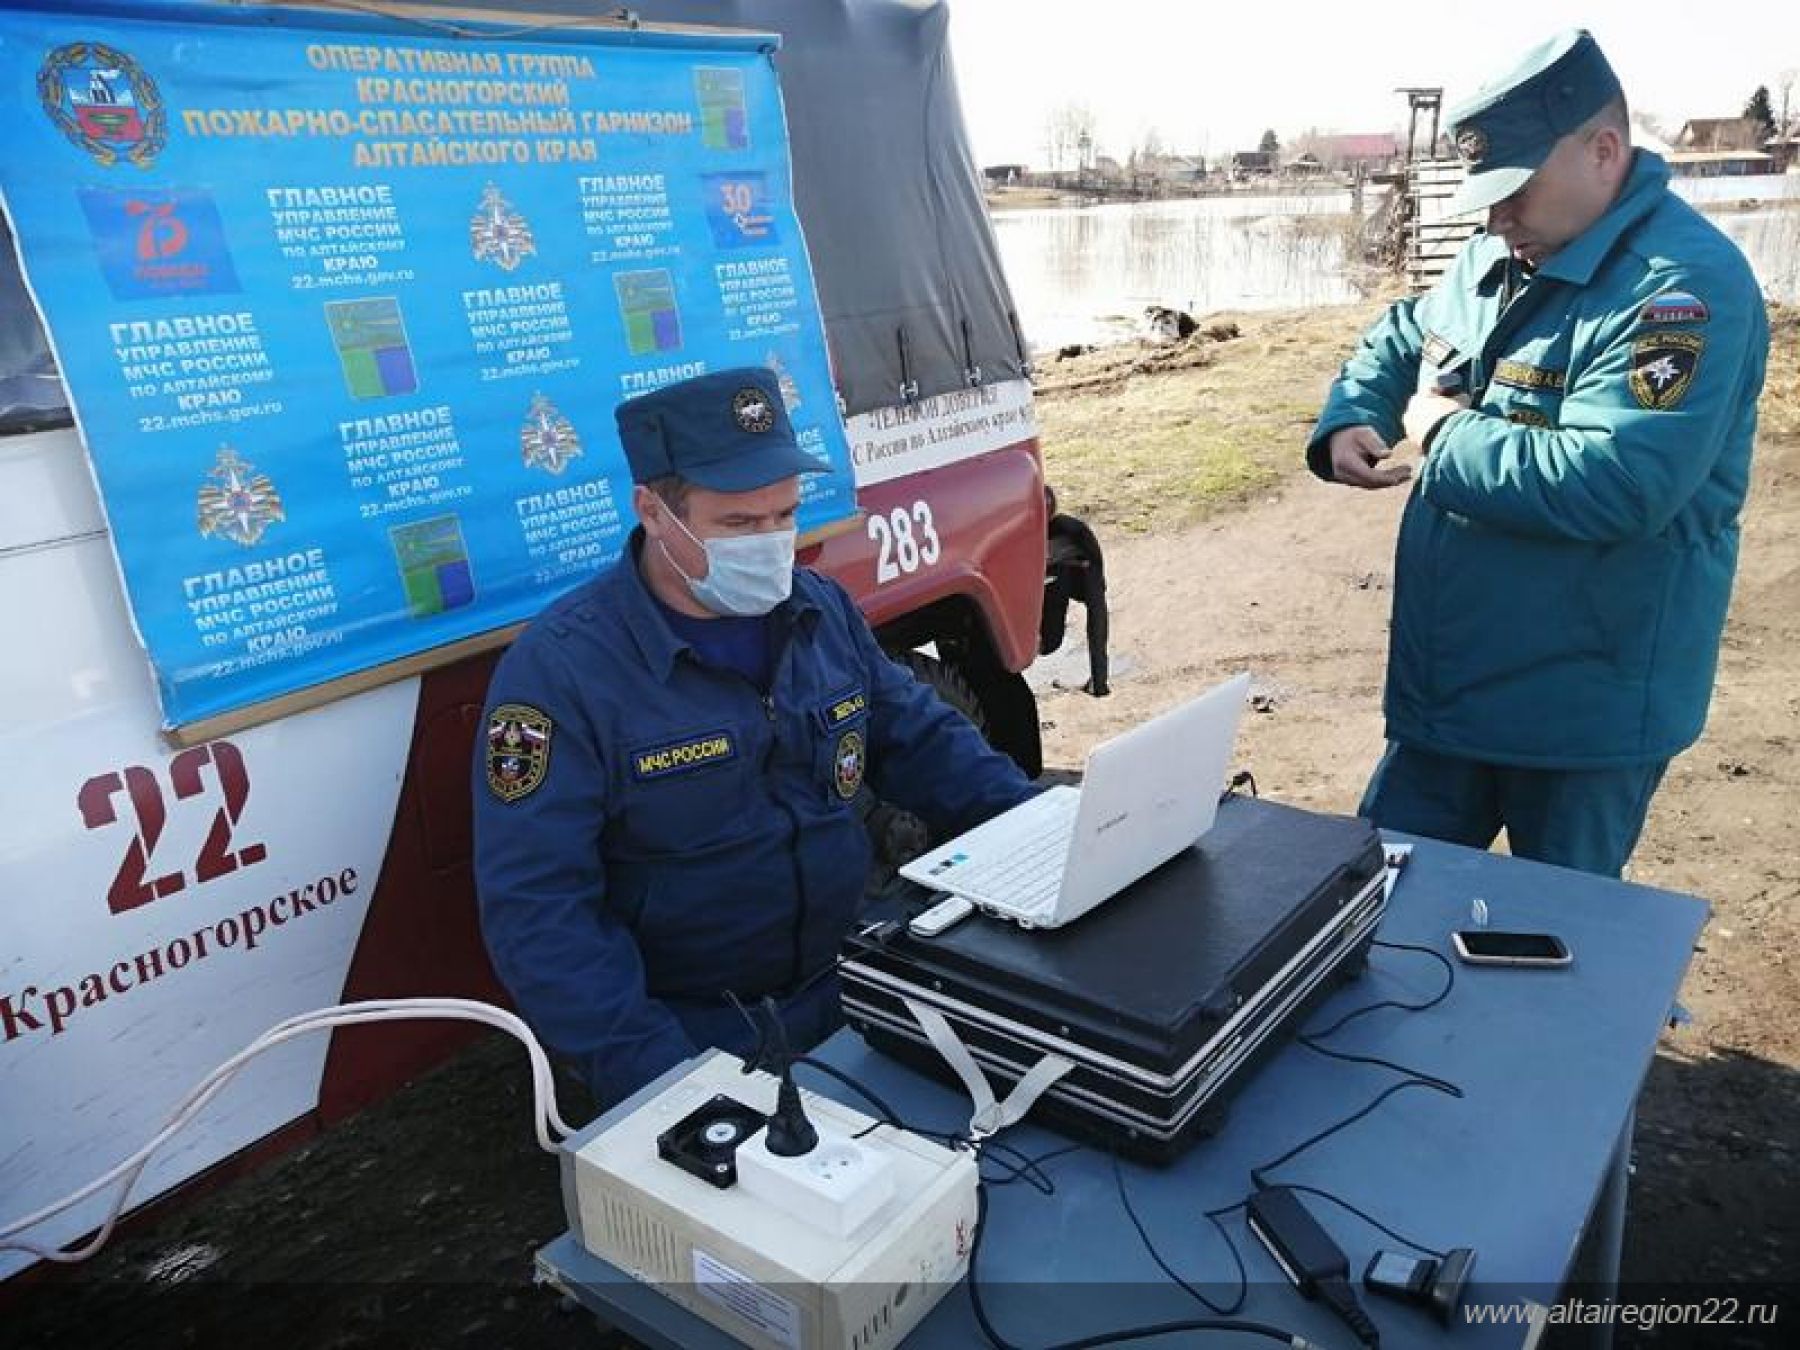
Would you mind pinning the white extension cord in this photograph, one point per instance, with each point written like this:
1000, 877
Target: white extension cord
547, 1119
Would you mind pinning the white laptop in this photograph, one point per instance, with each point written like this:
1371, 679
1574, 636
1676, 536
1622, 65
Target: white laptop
1146, 794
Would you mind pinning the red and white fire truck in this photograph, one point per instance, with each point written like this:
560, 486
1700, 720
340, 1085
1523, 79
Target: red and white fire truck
332, 846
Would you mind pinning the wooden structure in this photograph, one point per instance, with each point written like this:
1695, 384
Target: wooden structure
1433, 238
1429, 102
1426, 239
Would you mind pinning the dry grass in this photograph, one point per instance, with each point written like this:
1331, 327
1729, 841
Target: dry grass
1141, 438
1779, 409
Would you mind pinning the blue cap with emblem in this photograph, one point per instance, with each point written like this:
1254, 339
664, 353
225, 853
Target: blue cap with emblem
1509, 128
727, 430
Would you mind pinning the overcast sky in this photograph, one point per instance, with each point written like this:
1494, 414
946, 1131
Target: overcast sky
1210, 76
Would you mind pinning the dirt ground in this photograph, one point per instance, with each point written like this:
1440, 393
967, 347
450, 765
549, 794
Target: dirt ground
414, 1224
1289, 578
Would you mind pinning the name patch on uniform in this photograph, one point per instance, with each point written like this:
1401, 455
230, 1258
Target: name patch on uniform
845, 707
1522, 376
1662, 368
1528, 417
1437, 350
1674, 307
847, 765
660, 761
518, 750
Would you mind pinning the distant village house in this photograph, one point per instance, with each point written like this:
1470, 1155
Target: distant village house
1720, 147
1369, 152
1170, 168
1252, 164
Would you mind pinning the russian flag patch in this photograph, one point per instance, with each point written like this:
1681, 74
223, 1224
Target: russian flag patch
1675, 307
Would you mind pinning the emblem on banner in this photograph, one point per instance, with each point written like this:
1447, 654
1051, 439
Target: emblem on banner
518, 750
372, 346
848, 764
237, 502
433, 558
104, 102
548, 440
157, 242
499, 234
790, 392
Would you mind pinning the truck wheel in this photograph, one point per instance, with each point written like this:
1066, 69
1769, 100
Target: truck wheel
897, 834
951, 685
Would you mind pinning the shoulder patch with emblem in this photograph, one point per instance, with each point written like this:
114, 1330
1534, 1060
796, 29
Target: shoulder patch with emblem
518, 750
847, 764
1522, 375
673, 757
1662, 368
1674, 307
1529, 417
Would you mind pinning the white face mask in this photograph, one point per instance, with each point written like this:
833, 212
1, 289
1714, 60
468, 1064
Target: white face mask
746, 574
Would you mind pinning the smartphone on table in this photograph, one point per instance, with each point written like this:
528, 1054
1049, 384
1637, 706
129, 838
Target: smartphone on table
1495, 947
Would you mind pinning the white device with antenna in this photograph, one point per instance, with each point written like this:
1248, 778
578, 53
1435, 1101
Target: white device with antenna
847, 1243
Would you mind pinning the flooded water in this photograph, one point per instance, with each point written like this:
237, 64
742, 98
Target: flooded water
1085, 275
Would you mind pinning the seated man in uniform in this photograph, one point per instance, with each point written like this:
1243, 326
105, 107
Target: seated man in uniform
1074, 570
670, 754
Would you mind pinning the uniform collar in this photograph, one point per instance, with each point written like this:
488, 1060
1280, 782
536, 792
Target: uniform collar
657, 641
1577, 261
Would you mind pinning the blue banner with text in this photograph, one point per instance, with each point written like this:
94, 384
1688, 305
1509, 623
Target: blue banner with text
344, 306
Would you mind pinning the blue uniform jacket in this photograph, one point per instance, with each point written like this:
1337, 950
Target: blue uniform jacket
651, 832
1566, 555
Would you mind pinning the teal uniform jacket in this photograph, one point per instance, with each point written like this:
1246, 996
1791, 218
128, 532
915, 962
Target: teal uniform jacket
1565, 558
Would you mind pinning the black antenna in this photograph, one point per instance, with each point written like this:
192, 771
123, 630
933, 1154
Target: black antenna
790, 1133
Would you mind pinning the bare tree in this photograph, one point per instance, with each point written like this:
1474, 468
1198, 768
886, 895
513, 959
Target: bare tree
1785, 82
1147, 154
1069, 134
1321, 145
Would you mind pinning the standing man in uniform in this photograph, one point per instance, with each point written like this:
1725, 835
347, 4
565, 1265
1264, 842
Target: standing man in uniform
1582, 386
670, 754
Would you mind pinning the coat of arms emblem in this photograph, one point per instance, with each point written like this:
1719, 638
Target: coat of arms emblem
103, 101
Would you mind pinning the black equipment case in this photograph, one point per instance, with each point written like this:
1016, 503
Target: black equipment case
1162, 998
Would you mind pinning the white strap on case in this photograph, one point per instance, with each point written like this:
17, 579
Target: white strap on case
990, 1116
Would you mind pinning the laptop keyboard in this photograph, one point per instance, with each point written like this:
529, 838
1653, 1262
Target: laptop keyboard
1024, 874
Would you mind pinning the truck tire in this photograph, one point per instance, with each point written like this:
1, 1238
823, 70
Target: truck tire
951, 685
897, 834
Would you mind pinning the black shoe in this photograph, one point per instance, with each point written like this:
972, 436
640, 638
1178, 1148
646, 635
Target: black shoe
1100, 690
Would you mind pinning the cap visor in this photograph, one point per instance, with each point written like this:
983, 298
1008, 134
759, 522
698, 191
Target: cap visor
746, 473
1482, 190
